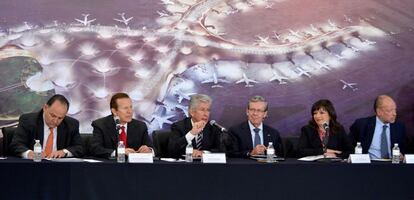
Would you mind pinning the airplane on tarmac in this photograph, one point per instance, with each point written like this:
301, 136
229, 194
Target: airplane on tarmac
246, 80
349, 85
85, 20
123, 19
300, 71
214, 79
163, 13
161, 120
322, 65
167, 2
262, 40
181, 95
278, 77
295, 33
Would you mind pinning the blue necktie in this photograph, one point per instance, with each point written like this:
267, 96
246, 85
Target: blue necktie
256, 137
384, 143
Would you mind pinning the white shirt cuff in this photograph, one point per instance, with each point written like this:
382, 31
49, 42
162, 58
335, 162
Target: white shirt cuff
189, 137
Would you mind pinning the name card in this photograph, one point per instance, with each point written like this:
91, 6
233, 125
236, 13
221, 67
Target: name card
214, 158
140, 158
360, 158
409, 158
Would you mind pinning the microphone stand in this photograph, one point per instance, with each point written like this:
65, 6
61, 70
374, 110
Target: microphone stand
325, 141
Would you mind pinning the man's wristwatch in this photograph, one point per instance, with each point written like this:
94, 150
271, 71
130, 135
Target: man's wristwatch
66, 152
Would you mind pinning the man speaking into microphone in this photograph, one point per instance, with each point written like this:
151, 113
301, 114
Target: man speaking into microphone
253, 136
196, 129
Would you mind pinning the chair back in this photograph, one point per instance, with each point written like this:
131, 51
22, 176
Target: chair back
160, 141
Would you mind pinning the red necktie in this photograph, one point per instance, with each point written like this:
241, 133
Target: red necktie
123, 136
49, 143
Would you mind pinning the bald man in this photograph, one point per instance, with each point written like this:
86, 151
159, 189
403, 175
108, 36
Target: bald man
378, 133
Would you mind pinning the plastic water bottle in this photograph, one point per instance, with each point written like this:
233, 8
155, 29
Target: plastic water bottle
189, 152
270, 153
121, 152
395, 154
37, 150
358, 148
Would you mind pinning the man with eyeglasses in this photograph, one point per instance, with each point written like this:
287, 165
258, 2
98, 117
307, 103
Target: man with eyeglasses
253, 136
58, 133
379, 133
195, 129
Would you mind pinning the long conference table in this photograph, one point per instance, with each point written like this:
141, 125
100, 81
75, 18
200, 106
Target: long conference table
237, 179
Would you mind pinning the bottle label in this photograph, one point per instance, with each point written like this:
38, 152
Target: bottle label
396, 152
189, 150
358, 151
270, 151
121, 151
37, 149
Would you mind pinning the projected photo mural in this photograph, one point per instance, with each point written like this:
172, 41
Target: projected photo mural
160, 52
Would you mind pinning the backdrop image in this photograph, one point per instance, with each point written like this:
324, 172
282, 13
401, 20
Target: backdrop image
292, 52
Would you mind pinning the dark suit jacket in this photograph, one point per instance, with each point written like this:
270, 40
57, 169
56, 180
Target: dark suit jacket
310, 144
105, 137
178, 142
31, 127
362, 130
243, 138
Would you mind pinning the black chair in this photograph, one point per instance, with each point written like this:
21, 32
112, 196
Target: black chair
86, 140
160, 141
8, 133
290, 146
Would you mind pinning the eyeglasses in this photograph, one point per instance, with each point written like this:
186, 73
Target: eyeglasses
256, 110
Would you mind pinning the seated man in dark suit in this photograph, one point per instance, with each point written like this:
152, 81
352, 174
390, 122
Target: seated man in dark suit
253, 136
195, 129
58, 133
378, 133
132, 132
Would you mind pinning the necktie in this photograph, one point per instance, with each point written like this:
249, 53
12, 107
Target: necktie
49, 143
123, 136
256, 137
384, 143
199, 140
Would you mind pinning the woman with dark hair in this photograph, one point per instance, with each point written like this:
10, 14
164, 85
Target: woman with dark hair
324, 135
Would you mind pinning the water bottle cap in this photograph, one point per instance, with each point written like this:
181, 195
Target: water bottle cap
270, 143
122, 142
37, 140
358, 143
395, 144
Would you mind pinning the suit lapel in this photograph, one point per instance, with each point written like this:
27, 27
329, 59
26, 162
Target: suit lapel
40, 127
247, 135
393, 135
131, 134
370, 131
60, 136
267, 137
111, 126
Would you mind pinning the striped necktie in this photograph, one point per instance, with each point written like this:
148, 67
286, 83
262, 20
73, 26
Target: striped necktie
199, 140
256, 137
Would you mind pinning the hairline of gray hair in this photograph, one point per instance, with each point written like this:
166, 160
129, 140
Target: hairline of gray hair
196, 99
257, 98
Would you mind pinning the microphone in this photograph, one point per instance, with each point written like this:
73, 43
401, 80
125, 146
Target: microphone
326, 126
117, 123
214, 123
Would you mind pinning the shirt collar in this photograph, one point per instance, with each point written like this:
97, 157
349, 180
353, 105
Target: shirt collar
252, 127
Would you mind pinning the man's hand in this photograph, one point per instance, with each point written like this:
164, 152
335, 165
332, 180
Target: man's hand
197, 153
57, 154
129, 150
258, 150
198, 127
144, 149
30, 155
